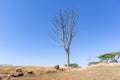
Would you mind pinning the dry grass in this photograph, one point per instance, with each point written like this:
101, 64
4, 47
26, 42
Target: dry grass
37, 70
100, 72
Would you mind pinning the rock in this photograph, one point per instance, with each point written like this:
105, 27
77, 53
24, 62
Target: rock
17, 74
0, 78
56, 67
18, 70
30, 72
5, 77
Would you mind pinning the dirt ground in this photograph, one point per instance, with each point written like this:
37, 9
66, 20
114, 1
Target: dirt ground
95, 72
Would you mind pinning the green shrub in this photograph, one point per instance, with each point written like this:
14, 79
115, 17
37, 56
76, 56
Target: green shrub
73, 65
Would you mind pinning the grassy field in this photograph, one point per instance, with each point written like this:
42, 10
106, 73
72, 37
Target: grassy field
100, 72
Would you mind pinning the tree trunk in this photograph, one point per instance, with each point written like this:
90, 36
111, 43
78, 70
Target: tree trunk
68, 58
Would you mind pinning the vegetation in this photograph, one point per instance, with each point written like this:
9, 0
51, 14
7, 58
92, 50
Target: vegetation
106, 57
72, 65
110, 57
64, 29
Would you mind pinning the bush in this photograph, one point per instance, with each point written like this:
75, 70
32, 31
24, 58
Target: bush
73, 65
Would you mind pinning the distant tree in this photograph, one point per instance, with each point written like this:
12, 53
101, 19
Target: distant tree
64, 29
110, 57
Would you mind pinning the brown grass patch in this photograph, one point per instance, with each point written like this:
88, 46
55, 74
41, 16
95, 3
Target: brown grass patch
104, 72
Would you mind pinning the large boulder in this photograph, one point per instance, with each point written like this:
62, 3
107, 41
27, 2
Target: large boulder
17, 73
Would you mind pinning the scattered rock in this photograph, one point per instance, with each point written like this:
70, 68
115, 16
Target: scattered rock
17, 73
5, 77
30, 72
56, 67
18, 70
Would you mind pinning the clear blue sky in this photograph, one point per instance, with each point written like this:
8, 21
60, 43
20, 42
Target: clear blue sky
24, 27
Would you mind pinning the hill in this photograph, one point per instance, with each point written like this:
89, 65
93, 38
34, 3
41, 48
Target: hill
94, 72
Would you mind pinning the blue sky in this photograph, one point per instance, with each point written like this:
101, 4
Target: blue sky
24, 27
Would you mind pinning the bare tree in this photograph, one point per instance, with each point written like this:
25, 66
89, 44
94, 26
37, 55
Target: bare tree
64, 29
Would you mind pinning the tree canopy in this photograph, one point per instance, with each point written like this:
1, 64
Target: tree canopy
110, 57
